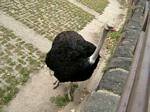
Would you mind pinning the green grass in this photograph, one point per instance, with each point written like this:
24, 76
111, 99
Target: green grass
97, 5
111, 43
112, 40
60, 101
115, 35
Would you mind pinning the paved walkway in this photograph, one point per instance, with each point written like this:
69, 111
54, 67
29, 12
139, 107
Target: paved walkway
27, 34
85, 8
35, 95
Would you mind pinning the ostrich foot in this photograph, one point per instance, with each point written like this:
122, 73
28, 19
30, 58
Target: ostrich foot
69, 94
55, 84
70, 91
54, 80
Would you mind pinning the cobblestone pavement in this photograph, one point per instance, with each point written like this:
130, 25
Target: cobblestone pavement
85, 8
47, 17
17, 60
25, 33
97, 5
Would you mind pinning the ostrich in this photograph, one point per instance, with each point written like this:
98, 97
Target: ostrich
72, 58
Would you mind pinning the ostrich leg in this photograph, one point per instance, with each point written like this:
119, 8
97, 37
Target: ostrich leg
54, 80
70, 91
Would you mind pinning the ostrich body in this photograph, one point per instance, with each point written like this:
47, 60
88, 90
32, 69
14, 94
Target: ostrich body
72, 58
69, 57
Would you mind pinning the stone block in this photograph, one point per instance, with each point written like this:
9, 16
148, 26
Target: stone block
131, 34
133, 25
114, 80
123, 51
120, 62
100, 101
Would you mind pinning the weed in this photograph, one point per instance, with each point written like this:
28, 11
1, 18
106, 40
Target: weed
112, 40
115, 35
75, 86
60, 101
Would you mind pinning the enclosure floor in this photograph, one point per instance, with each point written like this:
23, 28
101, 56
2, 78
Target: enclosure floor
35, 95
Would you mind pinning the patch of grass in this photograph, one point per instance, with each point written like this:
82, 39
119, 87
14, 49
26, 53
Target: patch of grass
97, 5
112, 40
75, 86
115, 35
8, 97
24, 72
60, 101
111, 43
7, 94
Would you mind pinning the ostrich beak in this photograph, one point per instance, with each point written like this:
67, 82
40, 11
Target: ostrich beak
110, 27
113, 29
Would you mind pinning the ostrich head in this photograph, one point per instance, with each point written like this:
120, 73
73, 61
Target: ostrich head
108, 27
105, 29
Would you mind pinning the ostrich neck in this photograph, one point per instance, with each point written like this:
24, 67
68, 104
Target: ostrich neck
94, 56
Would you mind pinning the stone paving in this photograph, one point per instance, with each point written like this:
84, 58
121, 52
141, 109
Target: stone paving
18, 60
47, 17
85, 8
25, 33
97, 5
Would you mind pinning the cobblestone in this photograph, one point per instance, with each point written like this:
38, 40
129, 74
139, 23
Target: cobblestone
100, 101
47, 17
110, 83
18, 60
97, 5
120, 62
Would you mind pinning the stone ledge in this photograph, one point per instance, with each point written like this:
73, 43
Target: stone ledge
100, 101
123, 51
117, 70
118, 67
120, 62
113, 80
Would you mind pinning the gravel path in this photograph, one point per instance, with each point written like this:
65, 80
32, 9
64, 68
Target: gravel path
35, 95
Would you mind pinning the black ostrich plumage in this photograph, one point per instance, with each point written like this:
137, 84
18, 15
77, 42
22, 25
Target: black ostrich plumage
68, 57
